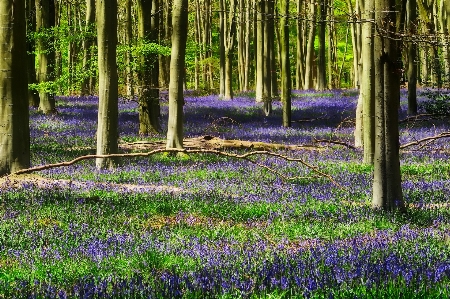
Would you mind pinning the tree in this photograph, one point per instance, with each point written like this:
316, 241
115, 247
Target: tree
107, 130
321, 63
387, 191
33, 95
177, 65
285, 63
412, 56
45, 21
149, 69
228, 37
308, 84
88, 41
14, 115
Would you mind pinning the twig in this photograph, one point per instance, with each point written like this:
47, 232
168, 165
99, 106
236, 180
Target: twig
335, 142
427, 139
245, 156
419, 116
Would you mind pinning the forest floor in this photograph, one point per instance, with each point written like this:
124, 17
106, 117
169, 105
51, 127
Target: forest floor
293, 221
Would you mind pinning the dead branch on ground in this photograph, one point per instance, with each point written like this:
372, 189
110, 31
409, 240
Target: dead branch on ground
334, 142
426, 140
245, 157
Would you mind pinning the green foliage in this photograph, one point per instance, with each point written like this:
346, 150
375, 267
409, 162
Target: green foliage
438, 102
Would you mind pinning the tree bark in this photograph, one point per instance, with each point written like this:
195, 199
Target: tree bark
310, 48
228, 36
33, 95
300, 67
107, 130
45, 20
148, 69
285, 63
321, 64
177, 64
387, 192
412, 57
88, 42
14, 115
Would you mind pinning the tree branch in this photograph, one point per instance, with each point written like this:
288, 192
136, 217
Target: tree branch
427, 139
245, 156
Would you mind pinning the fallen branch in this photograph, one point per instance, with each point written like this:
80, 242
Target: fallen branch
419, 117
245, 156
334, 142
427, 139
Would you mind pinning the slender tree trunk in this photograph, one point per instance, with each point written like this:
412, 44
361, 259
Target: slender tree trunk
45, 20
367, 92
148, 69
300, 67
177, 63
222, 24
321, 65
107, 130
33, 95
259, 50
267, 63
285, 63
128, 42
412, 57
387, 192
87, 44
166, 33
14, 115
310, 49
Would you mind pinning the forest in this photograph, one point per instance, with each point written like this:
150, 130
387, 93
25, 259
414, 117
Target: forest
224, 149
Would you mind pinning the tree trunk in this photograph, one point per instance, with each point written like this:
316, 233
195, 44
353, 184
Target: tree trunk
166, 33
387, 192
412, 56
267, 63
321, 64
310, 49
300, 67
367, 93
14, 115
87, 44
229, 42
177, 63
45, 20
148, 69
285, 63
222, 24
128, 42
107, 130
259, 50
33, 95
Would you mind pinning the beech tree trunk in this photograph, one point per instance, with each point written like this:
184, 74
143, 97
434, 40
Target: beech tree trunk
177, 64
128, 41
321, 64
33, 95
14, 115
148, 69
259, 50
300, 65
45, 20
88, 42
310, 48
412, 57
228, 38
285, 63
387, 191
107, 130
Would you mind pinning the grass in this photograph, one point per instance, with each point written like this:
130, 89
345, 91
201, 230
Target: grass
204, 226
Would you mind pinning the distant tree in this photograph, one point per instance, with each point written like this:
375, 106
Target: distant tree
387, 191
412, 57
285, 63
308, 84
321, 61
177, 65
228, 38
148, 73
107, 130
45, 21
88, 83
14, 115
33, 95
